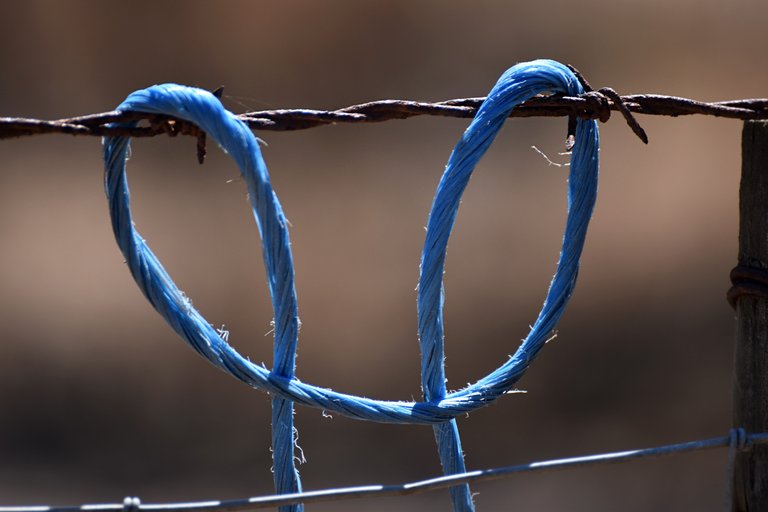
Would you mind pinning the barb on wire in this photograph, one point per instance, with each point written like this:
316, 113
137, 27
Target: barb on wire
432, 484
591, 105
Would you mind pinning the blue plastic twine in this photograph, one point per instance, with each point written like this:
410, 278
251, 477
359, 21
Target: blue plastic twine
203, 109
519, 83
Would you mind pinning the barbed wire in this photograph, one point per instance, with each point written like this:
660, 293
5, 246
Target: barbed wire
737, 439
591, 105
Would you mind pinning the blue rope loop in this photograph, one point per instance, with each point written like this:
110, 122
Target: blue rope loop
203, 109
516, 85
200, 107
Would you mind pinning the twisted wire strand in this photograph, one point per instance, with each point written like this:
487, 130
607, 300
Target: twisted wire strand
114, 123
181, 315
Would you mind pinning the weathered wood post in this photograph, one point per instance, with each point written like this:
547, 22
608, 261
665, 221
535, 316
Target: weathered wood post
750, 294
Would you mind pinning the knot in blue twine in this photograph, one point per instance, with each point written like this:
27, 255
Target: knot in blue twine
517, 84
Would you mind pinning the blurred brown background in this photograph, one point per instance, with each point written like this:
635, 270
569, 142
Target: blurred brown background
99, 400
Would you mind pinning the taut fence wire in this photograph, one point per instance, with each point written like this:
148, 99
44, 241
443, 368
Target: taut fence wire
590, 105
737, 440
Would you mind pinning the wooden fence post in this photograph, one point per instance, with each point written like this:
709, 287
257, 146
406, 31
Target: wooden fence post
750, 485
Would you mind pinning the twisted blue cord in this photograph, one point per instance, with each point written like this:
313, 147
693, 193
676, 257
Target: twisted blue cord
203, 109
517, 84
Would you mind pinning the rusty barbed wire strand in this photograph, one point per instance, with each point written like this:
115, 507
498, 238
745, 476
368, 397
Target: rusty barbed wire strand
591, 105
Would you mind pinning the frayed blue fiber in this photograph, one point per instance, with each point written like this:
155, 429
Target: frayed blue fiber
518, 84
203, 109
440, 407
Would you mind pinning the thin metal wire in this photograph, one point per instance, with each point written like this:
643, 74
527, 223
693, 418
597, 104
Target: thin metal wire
736, 437
739, 443
587, 106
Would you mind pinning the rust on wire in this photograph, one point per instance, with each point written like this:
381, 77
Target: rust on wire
619, 103
747, 281
590, 105
201, 135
